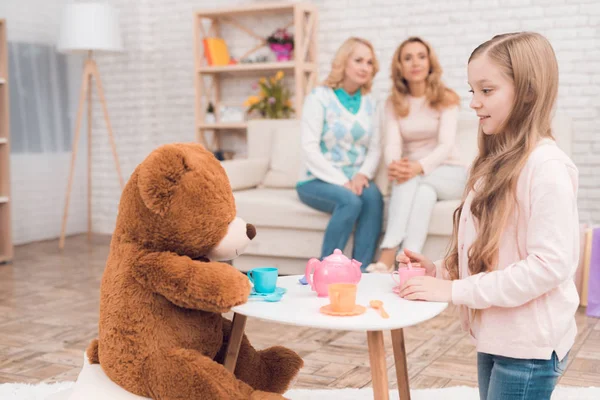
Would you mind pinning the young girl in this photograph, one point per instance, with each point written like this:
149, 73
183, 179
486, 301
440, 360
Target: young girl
515, 241
340, 149
421, 118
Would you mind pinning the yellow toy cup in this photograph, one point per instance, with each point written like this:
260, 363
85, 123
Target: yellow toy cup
342, 296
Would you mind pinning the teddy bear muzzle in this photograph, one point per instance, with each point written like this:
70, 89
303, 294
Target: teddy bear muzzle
238, 237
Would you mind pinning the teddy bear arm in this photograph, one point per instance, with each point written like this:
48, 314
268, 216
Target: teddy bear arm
207, 286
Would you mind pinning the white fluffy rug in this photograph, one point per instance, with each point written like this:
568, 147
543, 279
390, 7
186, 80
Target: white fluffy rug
10, 391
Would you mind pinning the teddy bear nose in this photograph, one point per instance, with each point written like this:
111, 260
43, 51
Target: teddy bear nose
250, 231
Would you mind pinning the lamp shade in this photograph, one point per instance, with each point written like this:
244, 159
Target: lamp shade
89, 26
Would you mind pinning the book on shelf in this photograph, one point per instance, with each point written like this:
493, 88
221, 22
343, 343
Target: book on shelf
216, 52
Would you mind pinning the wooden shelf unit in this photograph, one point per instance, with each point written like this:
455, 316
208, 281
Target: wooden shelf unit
252, 68
224, 125
6, 245
303, 66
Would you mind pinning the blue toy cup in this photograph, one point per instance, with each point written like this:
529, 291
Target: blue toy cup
264, 279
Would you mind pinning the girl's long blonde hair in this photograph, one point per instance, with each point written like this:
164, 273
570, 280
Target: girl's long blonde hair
438, 95
529, 61
338, 65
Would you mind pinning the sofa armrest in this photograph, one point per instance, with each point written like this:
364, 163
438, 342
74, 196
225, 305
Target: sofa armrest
245, 173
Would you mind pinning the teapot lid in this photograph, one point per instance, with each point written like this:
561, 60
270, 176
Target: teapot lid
337, 257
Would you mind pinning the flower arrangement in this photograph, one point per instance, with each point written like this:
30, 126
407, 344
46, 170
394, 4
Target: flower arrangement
273, 101
282, 44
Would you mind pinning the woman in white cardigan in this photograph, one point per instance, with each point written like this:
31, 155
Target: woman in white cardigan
341, 151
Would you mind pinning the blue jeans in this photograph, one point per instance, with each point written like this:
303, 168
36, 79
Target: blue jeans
347, 209
505, 378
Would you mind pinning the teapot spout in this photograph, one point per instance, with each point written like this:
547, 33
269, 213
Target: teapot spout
357, 272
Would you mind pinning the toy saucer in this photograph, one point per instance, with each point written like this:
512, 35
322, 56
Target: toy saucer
358, 309
396, 290
278, 290
271, 297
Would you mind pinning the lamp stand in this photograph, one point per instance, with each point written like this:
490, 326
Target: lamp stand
90, 72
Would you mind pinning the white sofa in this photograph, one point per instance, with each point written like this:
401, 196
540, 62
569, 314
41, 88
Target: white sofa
289, 232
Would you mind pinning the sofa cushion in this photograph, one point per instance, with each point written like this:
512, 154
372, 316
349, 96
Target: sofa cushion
281, 208
441, 217
278, 208
245, 173
285, 157
282, 242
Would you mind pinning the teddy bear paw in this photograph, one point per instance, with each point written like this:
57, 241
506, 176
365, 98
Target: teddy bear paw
283, 365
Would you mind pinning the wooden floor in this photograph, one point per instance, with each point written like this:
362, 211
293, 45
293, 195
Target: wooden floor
49, 313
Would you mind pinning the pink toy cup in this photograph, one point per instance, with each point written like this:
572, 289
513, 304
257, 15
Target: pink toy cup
404, 274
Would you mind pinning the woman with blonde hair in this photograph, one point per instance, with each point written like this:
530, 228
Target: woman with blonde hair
515, 243
341, 151
421, 117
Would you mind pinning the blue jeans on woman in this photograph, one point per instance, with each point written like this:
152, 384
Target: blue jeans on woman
347, 210
505, 378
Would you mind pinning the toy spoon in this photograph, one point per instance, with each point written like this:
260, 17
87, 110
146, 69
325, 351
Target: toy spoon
378, 305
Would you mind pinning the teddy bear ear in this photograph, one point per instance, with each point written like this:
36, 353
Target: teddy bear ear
159, 176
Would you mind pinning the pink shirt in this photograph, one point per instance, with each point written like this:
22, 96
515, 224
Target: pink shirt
526, 307
426, 135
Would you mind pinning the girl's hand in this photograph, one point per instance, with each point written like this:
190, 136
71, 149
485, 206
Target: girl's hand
416, 260
427, 288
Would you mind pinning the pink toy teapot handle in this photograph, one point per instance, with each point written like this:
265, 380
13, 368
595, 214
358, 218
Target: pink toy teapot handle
310, 266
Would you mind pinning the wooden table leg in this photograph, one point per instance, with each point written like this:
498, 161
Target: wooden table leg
235, 340
400, 360
378, 367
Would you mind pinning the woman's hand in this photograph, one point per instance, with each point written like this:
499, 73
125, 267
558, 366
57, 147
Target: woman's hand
416, 260
427, 288
357, 184
404, 170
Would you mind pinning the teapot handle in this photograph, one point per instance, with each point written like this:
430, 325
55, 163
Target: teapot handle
310, 266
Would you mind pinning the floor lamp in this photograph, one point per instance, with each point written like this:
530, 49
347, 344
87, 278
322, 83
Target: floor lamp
88, 28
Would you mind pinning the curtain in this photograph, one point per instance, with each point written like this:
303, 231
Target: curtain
39, 99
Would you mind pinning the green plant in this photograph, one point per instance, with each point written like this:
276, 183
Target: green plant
273, 101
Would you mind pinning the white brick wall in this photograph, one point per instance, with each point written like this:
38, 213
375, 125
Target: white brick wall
151, 95
38, 183
39, 180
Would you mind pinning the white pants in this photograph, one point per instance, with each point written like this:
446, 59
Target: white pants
412, 202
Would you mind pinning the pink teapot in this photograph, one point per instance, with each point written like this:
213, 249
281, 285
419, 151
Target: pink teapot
335, 268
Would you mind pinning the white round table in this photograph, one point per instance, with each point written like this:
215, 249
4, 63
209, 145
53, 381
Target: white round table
300, 306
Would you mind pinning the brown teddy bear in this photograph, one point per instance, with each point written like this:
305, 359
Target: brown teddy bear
161, 332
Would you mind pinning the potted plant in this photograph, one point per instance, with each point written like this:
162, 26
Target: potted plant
210, 114
273, 101
282, 44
